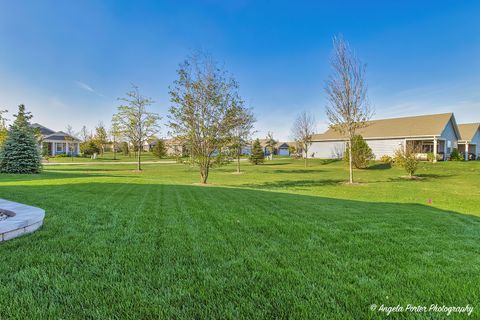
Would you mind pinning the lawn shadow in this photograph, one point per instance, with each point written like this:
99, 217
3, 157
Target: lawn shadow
380, 166
282, 184
298, 171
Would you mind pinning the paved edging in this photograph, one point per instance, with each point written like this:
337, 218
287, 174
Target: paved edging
27, 219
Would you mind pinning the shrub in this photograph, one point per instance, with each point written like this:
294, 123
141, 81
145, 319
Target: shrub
61, 155
257, 156
430, 157
361, 153
407, 159
456, 156
20, 153
386, 159
89, 147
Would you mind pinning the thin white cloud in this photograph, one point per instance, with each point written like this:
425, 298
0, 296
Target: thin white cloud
86, 87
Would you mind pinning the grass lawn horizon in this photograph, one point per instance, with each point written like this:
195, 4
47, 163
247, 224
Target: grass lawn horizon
279, 241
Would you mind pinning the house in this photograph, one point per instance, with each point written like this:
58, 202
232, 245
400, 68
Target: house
283, 149
469, 143
57, 142
175, 147
437, 134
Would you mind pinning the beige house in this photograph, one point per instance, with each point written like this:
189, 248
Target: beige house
437, 134
469, 143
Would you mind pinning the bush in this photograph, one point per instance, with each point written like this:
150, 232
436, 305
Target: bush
361, 153
456, 156
89, 147
61, 155
430, 157
257, 156
407, 159
386, 159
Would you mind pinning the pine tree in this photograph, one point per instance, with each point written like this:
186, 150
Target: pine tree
159, 150
257, 156
20, 152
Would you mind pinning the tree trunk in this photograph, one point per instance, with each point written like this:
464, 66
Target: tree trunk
203, 175
306, 156
238, 163
350, 160
139, 167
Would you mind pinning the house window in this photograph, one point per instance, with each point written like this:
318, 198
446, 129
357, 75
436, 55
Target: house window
426, 148
59, 147
449, 146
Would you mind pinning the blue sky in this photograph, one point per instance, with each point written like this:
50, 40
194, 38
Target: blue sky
68, 61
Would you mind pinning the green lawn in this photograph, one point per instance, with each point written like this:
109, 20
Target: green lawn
279, 241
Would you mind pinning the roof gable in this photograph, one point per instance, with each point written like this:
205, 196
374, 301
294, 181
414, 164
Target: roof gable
468, 130
417, 126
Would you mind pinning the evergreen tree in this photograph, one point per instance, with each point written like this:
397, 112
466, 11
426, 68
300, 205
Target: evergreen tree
159, 150
20, 152
257, 156
361, 152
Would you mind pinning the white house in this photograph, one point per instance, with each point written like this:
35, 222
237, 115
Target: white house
469, 143
57, 142
437, 133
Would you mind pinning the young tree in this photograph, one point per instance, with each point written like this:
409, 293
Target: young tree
116, 135
271, 143
205, 106
406, 158
361, 152
84, 134
3, 127
70, 141
159, 150
20, 152
101, 137
135, 122
257, 156
243, 129
302, 131
348, 108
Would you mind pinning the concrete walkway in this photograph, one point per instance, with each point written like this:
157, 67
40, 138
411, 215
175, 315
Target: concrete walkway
105, 162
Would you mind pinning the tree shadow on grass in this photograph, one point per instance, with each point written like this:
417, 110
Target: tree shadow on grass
255, 242
295, 184
61, 174
298, 171
380, 166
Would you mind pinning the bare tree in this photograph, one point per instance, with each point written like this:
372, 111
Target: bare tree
84, 134
271, 144
101, 137
242, 131
116, 136
135, 122
348, 108
302, 131
205, 104
70, 141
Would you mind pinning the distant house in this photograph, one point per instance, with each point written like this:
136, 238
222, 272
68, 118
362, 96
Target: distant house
175, 147
283, 149
437, 134
57, 142
469, 143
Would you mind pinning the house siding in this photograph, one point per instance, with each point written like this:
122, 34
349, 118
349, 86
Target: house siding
449, 134
476, 141
383, 147
326, 149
